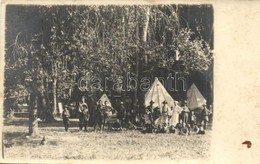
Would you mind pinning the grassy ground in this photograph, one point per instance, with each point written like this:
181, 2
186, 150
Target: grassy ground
124, 145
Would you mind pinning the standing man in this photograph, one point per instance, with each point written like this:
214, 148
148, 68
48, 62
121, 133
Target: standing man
185, 112
98, 115
84, 117
65, 117
165, 111
193, 119
211, 115
205, 116
175, 112
122, 114
83, 106
149, 111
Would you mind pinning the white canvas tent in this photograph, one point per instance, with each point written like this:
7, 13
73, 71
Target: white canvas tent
158, 94
104, 98
195, 98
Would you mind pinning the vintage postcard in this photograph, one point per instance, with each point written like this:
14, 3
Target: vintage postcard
130, 81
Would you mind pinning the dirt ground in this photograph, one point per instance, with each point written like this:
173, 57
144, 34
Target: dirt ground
109, 145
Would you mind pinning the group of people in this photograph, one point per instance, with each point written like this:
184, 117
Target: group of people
101, 113
177, 118
83, 117
173, 117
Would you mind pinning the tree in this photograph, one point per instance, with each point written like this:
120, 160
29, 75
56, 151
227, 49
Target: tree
101, 41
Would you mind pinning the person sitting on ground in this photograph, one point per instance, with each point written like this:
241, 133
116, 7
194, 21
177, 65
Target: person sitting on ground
148, 128
172, 129
179, 125
117, 126
185, 130
164, 128
43, 141
201, 131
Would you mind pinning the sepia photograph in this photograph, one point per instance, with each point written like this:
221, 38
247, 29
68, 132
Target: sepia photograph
108, 82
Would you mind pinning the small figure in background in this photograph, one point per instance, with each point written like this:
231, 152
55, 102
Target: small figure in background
149, 111
84, 117
117, 126
193, 119
65, 117
43, 141
205, 116
186, 112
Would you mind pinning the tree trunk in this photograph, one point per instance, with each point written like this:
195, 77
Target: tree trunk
41, 109
33, 123
137, 56
54, 89
48, 114
146, 25
139, 53
54, 112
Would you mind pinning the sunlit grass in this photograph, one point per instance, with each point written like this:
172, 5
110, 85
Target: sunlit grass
123, 145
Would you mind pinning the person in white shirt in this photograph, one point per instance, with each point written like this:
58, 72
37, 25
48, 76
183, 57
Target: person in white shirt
175, 111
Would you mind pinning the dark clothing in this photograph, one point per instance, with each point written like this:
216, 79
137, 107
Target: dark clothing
149, 111
179, 126
122, 115
99, 117
65, 117
83, 119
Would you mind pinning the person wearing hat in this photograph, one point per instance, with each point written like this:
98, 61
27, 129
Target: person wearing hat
205, 116
84, 117
149, 111
175, 112
83, 108
65, 118
185, 113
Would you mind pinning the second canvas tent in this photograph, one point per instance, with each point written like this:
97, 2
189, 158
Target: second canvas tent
194, 98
